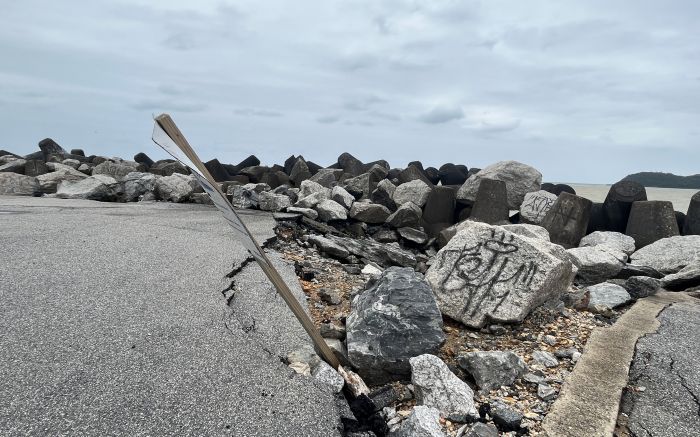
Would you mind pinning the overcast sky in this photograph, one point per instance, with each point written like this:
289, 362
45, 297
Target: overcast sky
586, 91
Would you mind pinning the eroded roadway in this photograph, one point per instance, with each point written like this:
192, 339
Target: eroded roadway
112, 322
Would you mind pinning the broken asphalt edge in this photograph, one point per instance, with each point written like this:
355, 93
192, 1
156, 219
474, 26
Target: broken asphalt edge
589, 401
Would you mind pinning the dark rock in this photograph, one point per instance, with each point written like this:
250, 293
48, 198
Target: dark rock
167, 168
686, 278
78, 152
680, 221
313, 167
15, 166
385, 236
413, 235
473, 171
381, 163
369, 212
450, 174
6, 153
383, 254
408, 214
650, 221
492, 369
327, 177
50, 147
597, 220
254, 173
35, 168
505, 417
567, 220
351, 165
548, 187
618, 203
394, 320
480, 429
432, 174
412, 173
383, 194
144, 159
562, 188
439, 210
393, 174
491, 204
36, 156
692, 218
630, 270
641, 286
251, 161
363, 185
417, 164
328, 246
217, 170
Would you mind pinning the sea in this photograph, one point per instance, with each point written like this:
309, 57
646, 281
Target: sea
678, 196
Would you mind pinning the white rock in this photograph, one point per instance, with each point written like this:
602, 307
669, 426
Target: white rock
329, 210
422, 422
175, 188
268, 201
369, 269
488, 273
528, 230
327, 376
436, 386
308, 212
607, 295
597, 263
137, 184
415, 191
308, 187
536, 205
617, 240
311, 200
520, 179
98, 187
669, 255
340, 195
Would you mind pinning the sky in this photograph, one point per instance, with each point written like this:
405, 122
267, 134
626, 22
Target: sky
585, 91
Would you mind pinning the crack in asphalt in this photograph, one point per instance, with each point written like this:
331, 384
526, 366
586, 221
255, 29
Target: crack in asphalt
685, 385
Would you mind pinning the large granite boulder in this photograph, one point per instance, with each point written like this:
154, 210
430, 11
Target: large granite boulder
436, 386
492, 369
408, 214
488, 273
116, 170
48, 182
395, 319
607, 295
14, 166
520, 179
669, 255
136, 184
176, 187
616, 240
567, 220
369, 212
99, 187
687, 277
243, 196
650, 221
342, 197
598, 263
422, 422
329, 210
362, 186
308, 187
384, 194
535, 206
15, 184
268, 201
415, 191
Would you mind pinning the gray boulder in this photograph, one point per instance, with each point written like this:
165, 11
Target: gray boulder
71, 163
369, 212
607, 295
14, 166
176, 187
617, 240
137, 184
408, 214
536, 205
116, 170
311, 200
268, 201
99, 187
479, 429
382, 254
413, 235
488, 273
641, 286
395, 319
422, 422
328, 246
242, 196
341, 196
306, 212
520, 179
528, 230
415, 191
687, 277
328, 377
327, 177
15, 184
669, 255
362, 186
436, 386
48, 182
597, 263
329, 210
308, 187
492, 369
384, 194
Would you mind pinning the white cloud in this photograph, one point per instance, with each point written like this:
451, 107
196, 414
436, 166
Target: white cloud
441, 114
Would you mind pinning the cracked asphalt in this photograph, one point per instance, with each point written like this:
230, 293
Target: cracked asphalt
667, 365
113, 323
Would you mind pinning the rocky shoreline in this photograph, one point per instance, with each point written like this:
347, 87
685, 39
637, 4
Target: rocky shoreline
463, 297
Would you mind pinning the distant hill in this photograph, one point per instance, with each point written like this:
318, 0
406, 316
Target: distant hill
665, 180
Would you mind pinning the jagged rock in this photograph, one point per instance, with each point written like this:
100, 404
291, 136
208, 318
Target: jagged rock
268, 201
527, 230
329, 210
687, 277
412, 173
51, 147
415, 191
116, 170
362, 186
307, 212
35, 168
436, 386
520, 179
328, 246
339, 350
567, 220
14, 166
369, 212
382, 254
350, 164
386, 236
305, 354
341, 196
243, 196
383, 194
168, 168
137, 184
73, 163
669, 255
650, 221
546, 392
607, 295
641, 286
309, 187
630, 270
15, 184
597, 263
197, 198
311, 200
545, 358
617, 240
479, 429
414, 235
217, 170
48, 182
492, 369
491, 204
332, 330
536, 205
488, 273
422, 422
256, 173
505, 417
327, 177
99, 187
176, 187
328, 377
395, 319
408, 214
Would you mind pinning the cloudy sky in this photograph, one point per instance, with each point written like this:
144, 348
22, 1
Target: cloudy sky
586, 91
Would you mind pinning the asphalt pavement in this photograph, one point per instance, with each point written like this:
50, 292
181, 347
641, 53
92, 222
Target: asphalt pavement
665, 375
112, 322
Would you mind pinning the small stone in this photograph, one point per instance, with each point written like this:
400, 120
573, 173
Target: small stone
327, 376
332, 330
301, 368
546, 392
330, 297
505, 417
550, 340
545, 358
423, 422
369, 269
492, 369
